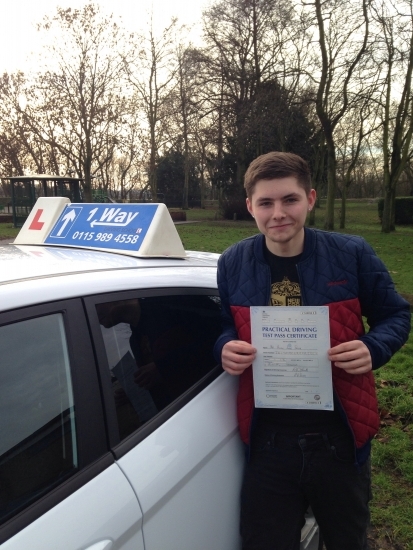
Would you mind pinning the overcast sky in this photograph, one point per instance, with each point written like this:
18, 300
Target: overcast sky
18, 35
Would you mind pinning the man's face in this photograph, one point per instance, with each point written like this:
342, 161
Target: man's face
280, 208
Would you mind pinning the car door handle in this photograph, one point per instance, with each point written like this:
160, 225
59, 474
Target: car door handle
102, 545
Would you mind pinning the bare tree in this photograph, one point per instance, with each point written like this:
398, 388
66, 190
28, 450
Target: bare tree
189, 108
394, 55
353, 129
151, 71
247, 45
343, 31
122, 177
22, 151
76, 106
185, 75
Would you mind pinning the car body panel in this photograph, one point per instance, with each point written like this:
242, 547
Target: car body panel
190, 462
105, 509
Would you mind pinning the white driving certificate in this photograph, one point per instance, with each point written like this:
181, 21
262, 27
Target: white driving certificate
291, 369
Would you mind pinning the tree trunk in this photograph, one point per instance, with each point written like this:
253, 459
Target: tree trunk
319, 154
202, 185
153, 184
386, 224
331, 186
241, 163
87, 181
343, 206
186, 176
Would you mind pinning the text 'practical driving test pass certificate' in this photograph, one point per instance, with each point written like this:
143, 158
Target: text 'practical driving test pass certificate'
291, 369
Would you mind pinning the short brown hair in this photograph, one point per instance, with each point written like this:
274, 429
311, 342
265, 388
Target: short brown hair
277, 165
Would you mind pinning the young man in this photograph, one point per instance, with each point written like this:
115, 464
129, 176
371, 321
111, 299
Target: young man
299, 457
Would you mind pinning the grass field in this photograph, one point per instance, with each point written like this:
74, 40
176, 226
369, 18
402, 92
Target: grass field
7, 231
392, 456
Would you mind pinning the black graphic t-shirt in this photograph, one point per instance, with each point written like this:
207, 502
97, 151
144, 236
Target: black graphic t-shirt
285, 291
285, 284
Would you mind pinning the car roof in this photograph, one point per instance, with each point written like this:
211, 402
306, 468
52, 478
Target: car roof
34, 274
26, 262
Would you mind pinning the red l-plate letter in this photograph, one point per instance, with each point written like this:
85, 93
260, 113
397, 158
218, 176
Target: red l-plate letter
36, 224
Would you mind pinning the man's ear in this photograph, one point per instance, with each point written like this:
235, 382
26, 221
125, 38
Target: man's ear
312, 196
249, 207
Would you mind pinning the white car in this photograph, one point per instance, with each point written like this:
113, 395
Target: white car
118, 430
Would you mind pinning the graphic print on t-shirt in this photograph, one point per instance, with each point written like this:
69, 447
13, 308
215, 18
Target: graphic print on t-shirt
285, 293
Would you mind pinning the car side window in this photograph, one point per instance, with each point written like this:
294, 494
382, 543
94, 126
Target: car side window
157, 348
38, 448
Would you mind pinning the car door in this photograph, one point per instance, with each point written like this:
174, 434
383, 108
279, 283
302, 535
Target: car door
60, 487
173, 429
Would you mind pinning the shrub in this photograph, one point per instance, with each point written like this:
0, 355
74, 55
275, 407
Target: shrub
403, 210
235, 206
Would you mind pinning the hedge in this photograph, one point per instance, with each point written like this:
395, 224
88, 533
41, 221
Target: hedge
403, 210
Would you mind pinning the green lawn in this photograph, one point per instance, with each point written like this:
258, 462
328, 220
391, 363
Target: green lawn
7, 231
392, 455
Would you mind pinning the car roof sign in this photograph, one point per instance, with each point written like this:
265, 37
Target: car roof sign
41, 219
143, 230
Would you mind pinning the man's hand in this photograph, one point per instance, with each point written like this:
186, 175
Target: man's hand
147, 376
236, 356
354, 357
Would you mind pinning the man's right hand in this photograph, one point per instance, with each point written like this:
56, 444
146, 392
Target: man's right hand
236, 356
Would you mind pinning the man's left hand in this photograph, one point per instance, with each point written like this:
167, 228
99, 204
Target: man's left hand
354, 357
